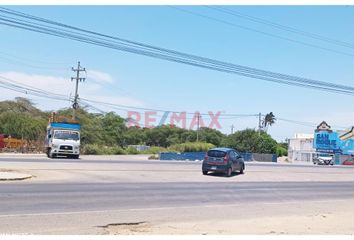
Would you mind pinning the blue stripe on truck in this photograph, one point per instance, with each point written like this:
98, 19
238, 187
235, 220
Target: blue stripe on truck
73, 126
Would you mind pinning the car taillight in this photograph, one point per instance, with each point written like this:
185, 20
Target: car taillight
226, 158
206, 157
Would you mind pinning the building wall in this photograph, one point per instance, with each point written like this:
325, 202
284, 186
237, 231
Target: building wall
301, 148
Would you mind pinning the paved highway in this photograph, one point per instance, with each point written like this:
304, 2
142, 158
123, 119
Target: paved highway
48, 198
81, 196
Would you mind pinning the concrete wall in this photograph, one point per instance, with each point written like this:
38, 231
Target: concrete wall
182, 156
200, 156
263, 157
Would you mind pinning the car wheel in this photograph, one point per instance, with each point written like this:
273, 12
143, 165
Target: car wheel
205, 172
242, 169
228, 172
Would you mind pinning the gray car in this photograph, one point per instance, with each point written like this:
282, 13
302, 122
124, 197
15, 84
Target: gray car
224, 160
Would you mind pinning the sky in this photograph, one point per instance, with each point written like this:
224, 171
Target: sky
123, 78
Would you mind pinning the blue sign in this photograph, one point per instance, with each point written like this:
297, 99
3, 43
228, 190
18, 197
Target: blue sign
329, 142
348, 146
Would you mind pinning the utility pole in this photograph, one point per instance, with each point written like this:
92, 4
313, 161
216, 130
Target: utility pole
259, 122
232, 129
77, 78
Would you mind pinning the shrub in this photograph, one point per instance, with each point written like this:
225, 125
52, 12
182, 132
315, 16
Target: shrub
191, 147
154, 150
116, 150
91, 149
153, 157
281, 151
95, 149
131, 150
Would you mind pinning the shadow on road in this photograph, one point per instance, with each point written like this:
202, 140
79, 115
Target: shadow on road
234, 174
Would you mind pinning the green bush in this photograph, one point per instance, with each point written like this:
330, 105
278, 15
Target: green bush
92, 149
281, 151
116, 150
95, 149
191, 147
154, 150
131, 150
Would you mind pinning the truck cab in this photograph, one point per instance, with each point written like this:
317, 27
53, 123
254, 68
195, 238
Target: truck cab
63, 138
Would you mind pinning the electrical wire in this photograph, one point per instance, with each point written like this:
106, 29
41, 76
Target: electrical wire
170, 55
282, 27
262, 32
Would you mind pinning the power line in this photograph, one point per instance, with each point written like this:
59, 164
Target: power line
204, 66
306, 124
166, 54
262, 32
87, 102
11, 84
282, 27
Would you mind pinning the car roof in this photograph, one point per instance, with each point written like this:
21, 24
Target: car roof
221, 149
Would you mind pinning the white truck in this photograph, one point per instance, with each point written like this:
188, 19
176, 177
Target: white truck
62, 138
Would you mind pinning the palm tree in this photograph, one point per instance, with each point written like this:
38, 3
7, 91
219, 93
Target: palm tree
269, 120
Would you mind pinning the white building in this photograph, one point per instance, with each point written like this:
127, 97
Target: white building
301, 148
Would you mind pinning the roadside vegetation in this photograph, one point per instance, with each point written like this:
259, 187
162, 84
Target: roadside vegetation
108, 133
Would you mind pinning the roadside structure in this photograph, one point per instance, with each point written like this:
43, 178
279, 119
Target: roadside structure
301, 148
324, 141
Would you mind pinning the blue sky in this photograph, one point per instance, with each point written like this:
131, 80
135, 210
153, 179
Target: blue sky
135, 80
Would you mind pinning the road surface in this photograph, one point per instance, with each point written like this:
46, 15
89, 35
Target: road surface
108, 195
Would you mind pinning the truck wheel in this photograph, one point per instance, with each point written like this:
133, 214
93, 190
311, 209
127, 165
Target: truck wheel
76, 157
48, 152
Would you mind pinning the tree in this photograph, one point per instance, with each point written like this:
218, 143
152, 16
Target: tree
20, 125
134, 135
210, 135
113, 127
269, 120
249, 140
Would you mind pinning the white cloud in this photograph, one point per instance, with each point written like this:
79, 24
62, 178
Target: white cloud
63, 86
59, 85
99, 77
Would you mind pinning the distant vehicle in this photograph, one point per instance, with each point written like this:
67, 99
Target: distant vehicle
62, 138
224, 160
349, 161
323, 160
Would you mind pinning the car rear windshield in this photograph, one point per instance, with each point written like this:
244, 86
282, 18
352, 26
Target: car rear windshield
215, 153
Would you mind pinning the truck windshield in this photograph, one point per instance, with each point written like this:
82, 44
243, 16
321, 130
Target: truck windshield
66, 135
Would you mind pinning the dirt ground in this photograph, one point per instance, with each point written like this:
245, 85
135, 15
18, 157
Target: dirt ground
308, 218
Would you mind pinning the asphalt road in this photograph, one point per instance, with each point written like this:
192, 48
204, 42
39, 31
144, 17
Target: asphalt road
121, 195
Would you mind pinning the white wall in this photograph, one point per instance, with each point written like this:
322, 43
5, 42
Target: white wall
301, 148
